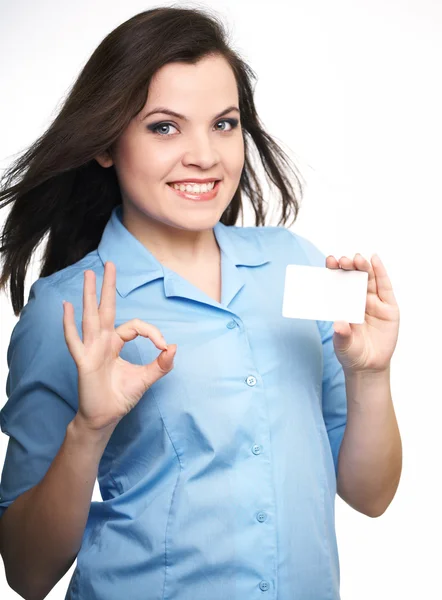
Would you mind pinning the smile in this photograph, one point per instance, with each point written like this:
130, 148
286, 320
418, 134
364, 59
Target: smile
196, 191
194, 188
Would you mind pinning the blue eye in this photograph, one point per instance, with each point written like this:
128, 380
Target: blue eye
232, 122
156, 128
163, 128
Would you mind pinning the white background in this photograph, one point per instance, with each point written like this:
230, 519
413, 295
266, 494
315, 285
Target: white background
353, 89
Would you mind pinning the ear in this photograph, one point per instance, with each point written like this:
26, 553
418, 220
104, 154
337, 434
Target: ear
105, 159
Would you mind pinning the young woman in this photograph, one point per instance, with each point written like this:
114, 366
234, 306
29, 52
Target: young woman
213, 424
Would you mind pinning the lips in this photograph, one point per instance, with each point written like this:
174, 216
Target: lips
192, 181
200, 196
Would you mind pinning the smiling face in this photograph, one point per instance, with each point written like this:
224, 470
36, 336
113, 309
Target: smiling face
160, 155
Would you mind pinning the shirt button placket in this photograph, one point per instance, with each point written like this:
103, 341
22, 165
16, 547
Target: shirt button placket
261, 516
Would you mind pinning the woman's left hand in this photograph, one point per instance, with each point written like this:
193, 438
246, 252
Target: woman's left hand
368, 347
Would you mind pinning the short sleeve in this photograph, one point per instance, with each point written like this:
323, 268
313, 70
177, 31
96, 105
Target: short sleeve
41, 391
334, 396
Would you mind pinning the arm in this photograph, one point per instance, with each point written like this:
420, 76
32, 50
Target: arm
53, 456
361, 423
51, 466
42, 530
370, 458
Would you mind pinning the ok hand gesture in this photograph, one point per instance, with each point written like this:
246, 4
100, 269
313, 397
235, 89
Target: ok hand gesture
108, 386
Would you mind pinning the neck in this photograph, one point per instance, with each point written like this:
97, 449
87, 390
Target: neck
171, 245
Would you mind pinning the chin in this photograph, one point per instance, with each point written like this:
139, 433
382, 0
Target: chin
196, 222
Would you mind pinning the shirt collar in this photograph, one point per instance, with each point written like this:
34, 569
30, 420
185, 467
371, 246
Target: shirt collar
136, 265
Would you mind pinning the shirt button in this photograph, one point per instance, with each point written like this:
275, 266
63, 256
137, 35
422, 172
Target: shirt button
231, 324
257, 449
251, 380
264, 586
261, 516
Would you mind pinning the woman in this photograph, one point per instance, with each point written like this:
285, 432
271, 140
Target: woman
217, 454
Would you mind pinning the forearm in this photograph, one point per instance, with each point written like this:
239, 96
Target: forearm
370, 458
42, 530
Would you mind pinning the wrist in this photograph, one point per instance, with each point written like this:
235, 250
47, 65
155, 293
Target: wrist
83, 433
368, 390
368, 375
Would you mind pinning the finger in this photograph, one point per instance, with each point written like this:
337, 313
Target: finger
106, 308
130, 330
159, 367
91, 318
362, 264
331, 262
165, 359
384, 287
73, 340
346, 263
358, 264
343, 263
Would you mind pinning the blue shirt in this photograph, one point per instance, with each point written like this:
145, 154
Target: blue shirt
221, 482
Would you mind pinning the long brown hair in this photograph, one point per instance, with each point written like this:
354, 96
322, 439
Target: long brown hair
58, 189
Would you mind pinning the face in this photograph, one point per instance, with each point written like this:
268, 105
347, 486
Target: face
161, 154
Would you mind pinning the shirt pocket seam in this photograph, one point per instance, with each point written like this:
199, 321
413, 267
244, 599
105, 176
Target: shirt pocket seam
150, 390
166, 552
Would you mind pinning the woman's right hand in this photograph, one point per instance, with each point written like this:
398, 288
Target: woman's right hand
108, 386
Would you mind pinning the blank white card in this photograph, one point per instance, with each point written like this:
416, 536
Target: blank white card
324, 294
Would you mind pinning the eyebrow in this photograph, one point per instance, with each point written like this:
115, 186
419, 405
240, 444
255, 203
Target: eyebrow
172, 113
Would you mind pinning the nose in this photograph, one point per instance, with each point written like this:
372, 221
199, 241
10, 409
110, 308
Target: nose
200, 151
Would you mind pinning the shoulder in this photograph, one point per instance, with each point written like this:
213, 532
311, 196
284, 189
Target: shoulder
40, 324
46, 295
69, 280
38, 357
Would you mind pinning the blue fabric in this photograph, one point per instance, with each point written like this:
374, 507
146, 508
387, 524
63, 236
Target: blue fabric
221, 482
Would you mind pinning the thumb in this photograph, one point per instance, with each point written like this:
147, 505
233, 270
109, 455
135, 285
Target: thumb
165, 359
160, 366
342, 328
342, 336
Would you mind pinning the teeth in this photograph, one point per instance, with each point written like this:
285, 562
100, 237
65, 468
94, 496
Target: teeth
194, 188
